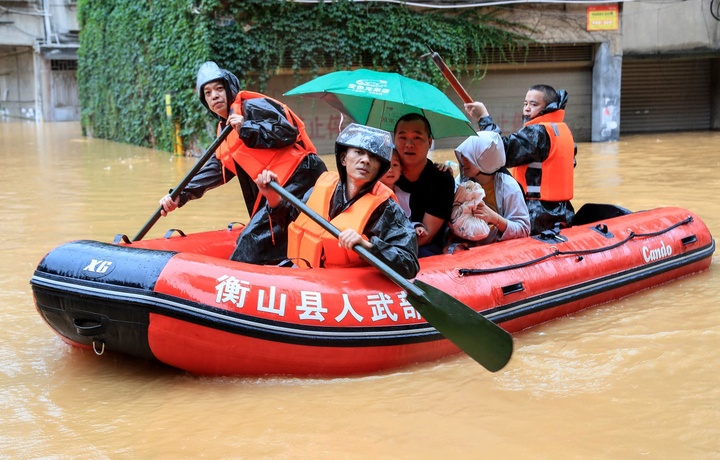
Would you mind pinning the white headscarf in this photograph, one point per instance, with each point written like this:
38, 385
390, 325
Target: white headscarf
485, 151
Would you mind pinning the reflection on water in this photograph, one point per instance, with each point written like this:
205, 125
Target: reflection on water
632, 378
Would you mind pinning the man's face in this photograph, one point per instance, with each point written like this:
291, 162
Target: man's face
412, 142
534, 104
361, 166
216, 98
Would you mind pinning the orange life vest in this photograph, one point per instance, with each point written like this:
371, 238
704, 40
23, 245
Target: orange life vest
283, 161
308, 241
558, 177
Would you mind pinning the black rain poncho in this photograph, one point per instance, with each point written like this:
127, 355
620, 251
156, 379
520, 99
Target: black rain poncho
532, 144
388, 229
266, 126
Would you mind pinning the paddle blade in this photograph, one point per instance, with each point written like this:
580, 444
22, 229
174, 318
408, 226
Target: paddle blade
480, 338
486, 342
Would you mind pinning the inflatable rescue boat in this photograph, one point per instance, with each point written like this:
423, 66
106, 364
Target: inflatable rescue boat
179, 300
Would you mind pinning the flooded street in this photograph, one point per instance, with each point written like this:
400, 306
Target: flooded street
635, 378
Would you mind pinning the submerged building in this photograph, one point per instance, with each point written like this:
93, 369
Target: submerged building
38, 60
629, 67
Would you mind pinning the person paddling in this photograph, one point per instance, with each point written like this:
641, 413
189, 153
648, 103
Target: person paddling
267, 134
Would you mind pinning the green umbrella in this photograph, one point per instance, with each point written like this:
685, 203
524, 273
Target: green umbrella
378, 99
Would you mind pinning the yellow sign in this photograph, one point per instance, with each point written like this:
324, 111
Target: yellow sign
602, 17
168, 105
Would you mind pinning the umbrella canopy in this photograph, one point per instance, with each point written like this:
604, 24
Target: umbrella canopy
379, 99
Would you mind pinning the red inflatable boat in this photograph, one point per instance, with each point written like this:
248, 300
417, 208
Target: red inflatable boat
180, 300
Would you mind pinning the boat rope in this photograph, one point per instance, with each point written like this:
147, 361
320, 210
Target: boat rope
99, 350
556, 252
665, 230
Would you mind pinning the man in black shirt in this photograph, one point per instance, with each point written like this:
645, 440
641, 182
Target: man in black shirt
431, 191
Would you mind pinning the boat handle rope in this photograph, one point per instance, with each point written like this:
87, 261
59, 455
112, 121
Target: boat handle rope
121, 237
170, 232
660, 232
580, 253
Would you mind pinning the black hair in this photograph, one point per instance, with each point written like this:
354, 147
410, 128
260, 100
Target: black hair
414, 117
549, 93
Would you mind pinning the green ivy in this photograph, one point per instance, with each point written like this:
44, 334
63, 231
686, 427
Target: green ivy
133, 52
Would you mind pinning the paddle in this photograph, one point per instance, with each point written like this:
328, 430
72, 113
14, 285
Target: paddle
484, 341
186, 180
449, 76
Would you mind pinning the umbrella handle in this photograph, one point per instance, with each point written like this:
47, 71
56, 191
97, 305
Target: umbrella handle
449, 76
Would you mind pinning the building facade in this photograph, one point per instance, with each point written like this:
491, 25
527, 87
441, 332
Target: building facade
628, 67
38, 60
640, 67
670, 66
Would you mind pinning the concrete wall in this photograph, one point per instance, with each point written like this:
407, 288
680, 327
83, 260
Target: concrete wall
21, 29
63, 17
17, 84
607, 76
557, 23
675, 29
658, 28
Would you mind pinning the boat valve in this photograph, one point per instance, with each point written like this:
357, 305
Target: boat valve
603, 229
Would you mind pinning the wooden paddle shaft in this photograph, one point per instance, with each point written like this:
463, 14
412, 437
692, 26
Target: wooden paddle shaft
186, 180
450, 77
334, 231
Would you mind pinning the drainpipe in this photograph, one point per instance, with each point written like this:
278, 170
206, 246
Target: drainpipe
42, 69
46, 18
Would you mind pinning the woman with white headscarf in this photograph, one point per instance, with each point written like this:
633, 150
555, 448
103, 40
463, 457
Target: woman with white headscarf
489, 204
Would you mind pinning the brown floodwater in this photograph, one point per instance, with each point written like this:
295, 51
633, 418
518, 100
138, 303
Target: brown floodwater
635, 378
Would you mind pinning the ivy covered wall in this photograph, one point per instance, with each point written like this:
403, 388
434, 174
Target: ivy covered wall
134, 52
